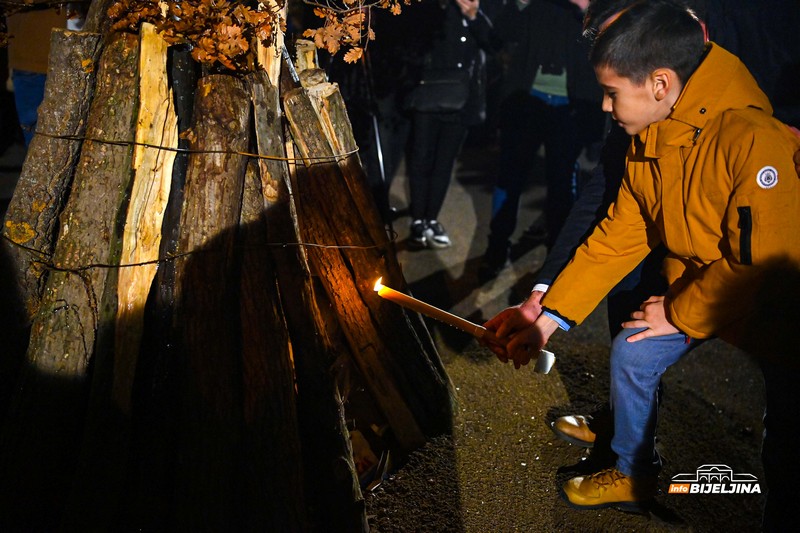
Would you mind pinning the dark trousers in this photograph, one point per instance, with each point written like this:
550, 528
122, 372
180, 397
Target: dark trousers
526, 122
437, 140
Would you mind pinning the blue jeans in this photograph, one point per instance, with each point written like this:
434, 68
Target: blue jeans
636, 370
28, 95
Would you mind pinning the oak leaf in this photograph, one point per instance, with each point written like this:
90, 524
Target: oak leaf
353, 55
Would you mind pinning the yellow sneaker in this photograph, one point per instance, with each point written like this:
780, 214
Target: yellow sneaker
609, 488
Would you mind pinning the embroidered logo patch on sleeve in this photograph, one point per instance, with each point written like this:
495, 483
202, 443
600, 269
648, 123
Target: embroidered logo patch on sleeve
767, 177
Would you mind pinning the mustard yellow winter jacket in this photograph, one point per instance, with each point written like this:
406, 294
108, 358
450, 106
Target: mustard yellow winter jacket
714, 182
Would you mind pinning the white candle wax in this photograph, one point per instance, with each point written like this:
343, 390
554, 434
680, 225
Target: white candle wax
544, 362
419, 306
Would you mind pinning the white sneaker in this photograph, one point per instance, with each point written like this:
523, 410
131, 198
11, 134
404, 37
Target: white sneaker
437, 236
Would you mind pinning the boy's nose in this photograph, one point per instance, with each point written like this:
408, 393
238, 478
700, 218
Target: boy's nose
606, 106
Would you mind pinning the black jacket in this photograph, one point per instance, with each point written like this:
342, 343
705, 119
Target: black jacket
547, 33
452, 41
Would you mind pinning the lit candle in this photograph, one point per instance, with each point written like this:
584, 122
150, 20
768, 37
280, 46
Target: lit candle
543, 363
419, 306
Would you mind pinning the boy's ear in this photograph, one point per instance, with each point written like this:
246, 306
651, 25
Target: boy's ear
664, 81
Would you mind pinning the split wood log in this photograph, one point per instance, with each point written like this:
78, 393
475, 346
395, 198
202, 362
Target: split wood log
125, 472
305, 55
348, 267
207, 489
270, 58
31, 221
331, 110
157, 140
332, 486
427, 371
152, 453
102, 467
42, 434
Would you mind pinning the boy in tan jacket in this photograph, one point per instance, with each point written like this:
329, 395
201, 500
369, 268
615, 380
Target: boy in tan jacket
710, 175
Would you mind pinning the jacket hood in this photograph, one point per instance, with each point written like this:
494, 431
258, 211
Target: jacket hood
720, 83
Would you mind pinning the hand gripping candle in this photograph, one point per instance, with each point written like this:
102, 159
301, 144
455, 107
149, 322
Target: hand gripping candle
543, 363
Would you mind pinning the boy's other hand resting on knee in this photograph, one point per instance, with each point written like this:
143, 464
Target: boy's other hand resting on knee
651, 315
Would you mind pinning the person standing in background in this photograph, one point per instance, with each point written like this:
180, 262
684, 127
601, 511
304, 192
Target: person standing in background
460, 35
551, 98
28, 50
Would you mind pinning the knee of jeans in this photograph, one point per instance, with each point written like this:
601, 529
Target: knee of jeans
624, 354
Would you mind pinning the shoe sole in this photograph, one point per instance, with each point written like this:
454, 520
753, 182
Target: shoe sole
439, 245
569, 438
626, 507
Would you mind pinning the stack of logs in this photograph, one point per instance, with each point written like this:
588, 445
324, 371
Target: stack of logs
195, 333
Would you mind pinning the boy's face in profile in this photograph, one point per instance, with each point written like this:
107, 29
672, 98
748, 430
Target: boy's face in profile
633, 106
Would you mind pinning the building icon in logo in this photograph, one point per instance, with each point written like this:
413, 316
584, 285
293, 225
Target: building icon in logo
714, 479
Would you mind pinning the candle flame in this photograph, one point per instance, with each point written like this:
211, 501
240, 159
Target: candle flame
378, 285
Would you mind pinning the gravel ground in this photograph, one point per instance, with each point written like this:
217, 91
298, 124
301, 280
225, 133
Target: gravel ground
501, 469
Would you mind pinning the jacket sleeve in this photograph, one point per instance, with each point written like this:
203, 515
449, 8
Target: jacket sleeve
616, 246
761, 235
483, 27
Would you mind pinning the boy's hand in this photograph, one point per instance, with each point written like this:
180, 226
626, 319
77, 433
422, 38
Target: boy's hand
469, 8
526, 344
651, 316
512, 320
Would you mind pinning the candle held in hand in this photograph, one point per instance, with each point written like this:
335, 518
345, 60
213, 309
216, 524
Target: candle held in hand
543, 363
419, 306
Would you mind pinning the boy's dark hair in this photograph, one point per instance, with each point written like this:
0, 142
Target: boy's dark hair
648, 35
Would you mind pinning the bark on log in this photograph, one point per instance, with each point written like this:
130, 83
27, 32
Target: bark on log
153, 448
101, 472
41, 438
31, 221
97, 19
332, 488
349, 272
273, 481
207, 485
